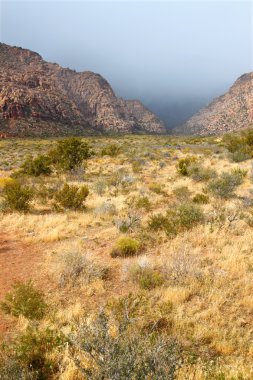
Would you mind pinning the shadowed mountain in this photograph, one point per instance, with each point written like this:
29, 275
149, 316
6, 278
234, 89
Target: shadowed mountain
229, 112
38, 98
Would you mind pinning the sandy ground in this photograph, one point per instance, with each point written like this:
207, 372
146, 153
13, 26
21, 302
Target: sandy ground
18, 262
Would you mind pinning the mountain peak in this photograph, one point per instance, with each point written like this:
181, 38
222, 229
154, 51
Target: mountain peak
42, 98
229, 112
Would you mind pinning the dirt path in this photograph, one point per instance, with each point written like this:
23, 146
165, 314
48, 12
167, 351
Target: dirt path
18, 262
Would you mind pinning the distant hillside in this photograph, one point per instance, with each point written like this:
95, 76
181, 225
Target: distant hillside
42, 98
231, 111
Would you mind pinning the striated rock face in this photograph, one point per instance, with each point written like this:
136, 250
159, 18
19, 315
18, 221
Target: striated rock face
41, 98
229, 112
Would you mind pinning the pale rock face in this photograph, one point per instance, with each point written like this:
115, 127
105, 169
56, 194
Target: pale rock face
229, 112
41, 98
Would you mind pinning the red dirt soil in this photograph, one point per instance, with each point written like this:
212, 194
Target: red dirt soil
18, 262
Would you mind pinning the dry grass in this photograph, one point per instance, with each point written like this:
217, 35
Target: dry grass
209, 269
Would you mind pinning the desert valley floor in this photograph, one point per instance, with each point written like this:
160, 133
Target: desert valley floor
160, 248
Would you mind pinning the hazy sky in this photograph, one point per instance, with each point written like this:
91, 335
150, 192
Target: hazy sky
145, 49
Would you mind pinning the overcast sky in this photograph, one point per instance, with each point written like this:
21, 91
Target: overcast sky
146, 49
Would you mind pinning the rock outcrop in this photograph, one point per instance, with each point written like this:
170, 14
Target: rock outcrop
42, 98
232, 111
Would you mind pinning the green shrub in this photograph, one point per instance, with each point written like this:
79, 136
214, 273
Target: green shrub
137, 166
157, 222
182, 193
125, 247
16, 196
143, 202
237, 176
172, 225
71, 197
111, 150
233, 142
240, 155
184, 163
240, 145
201, 199
70, 153
37, 166
24, 300
225, 185
189, 215
248, 136
147, 278
30, 354
199, 173
156, 188
46, 191
177, 219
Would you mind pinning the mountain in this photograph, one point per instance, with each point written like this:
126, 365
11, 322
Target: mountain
231, 111
38, 98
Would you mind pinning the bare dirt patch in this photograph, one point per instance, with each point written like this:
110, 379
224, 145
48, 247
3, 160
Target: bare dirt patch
18, 262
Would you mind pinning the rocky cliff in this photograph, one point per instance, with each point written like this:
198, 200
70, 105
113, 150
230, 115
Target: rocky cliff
229, 112
42, 98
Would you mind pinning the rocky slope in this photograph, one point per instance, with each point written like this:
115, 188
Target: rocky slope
42, 98
229, 112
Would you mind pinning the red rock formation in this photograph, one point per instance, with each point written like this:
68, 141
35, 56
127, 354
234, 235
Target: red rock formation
38, 98
229, 112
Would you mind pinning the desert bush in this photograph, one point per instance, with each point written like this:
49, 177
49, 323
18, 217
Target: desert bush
240, 155
111, 150
248, 136
162, 164
127, 180
233, 142
126, 246
182, 193
24, 300
137, 165
70, 153
177, 219
143, 202
189, 215
71, 197
4, 181
184, 163
182, 268
239, 145
106, 208
127, 224
117, 177
156, 188
30, 355
127, 355
147, 278
37, 166
17, 197
200, 198
199, 173
237, 176
76, 268
157, 222
168, 223
76, 174
47, 191
100, 187
225, 185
